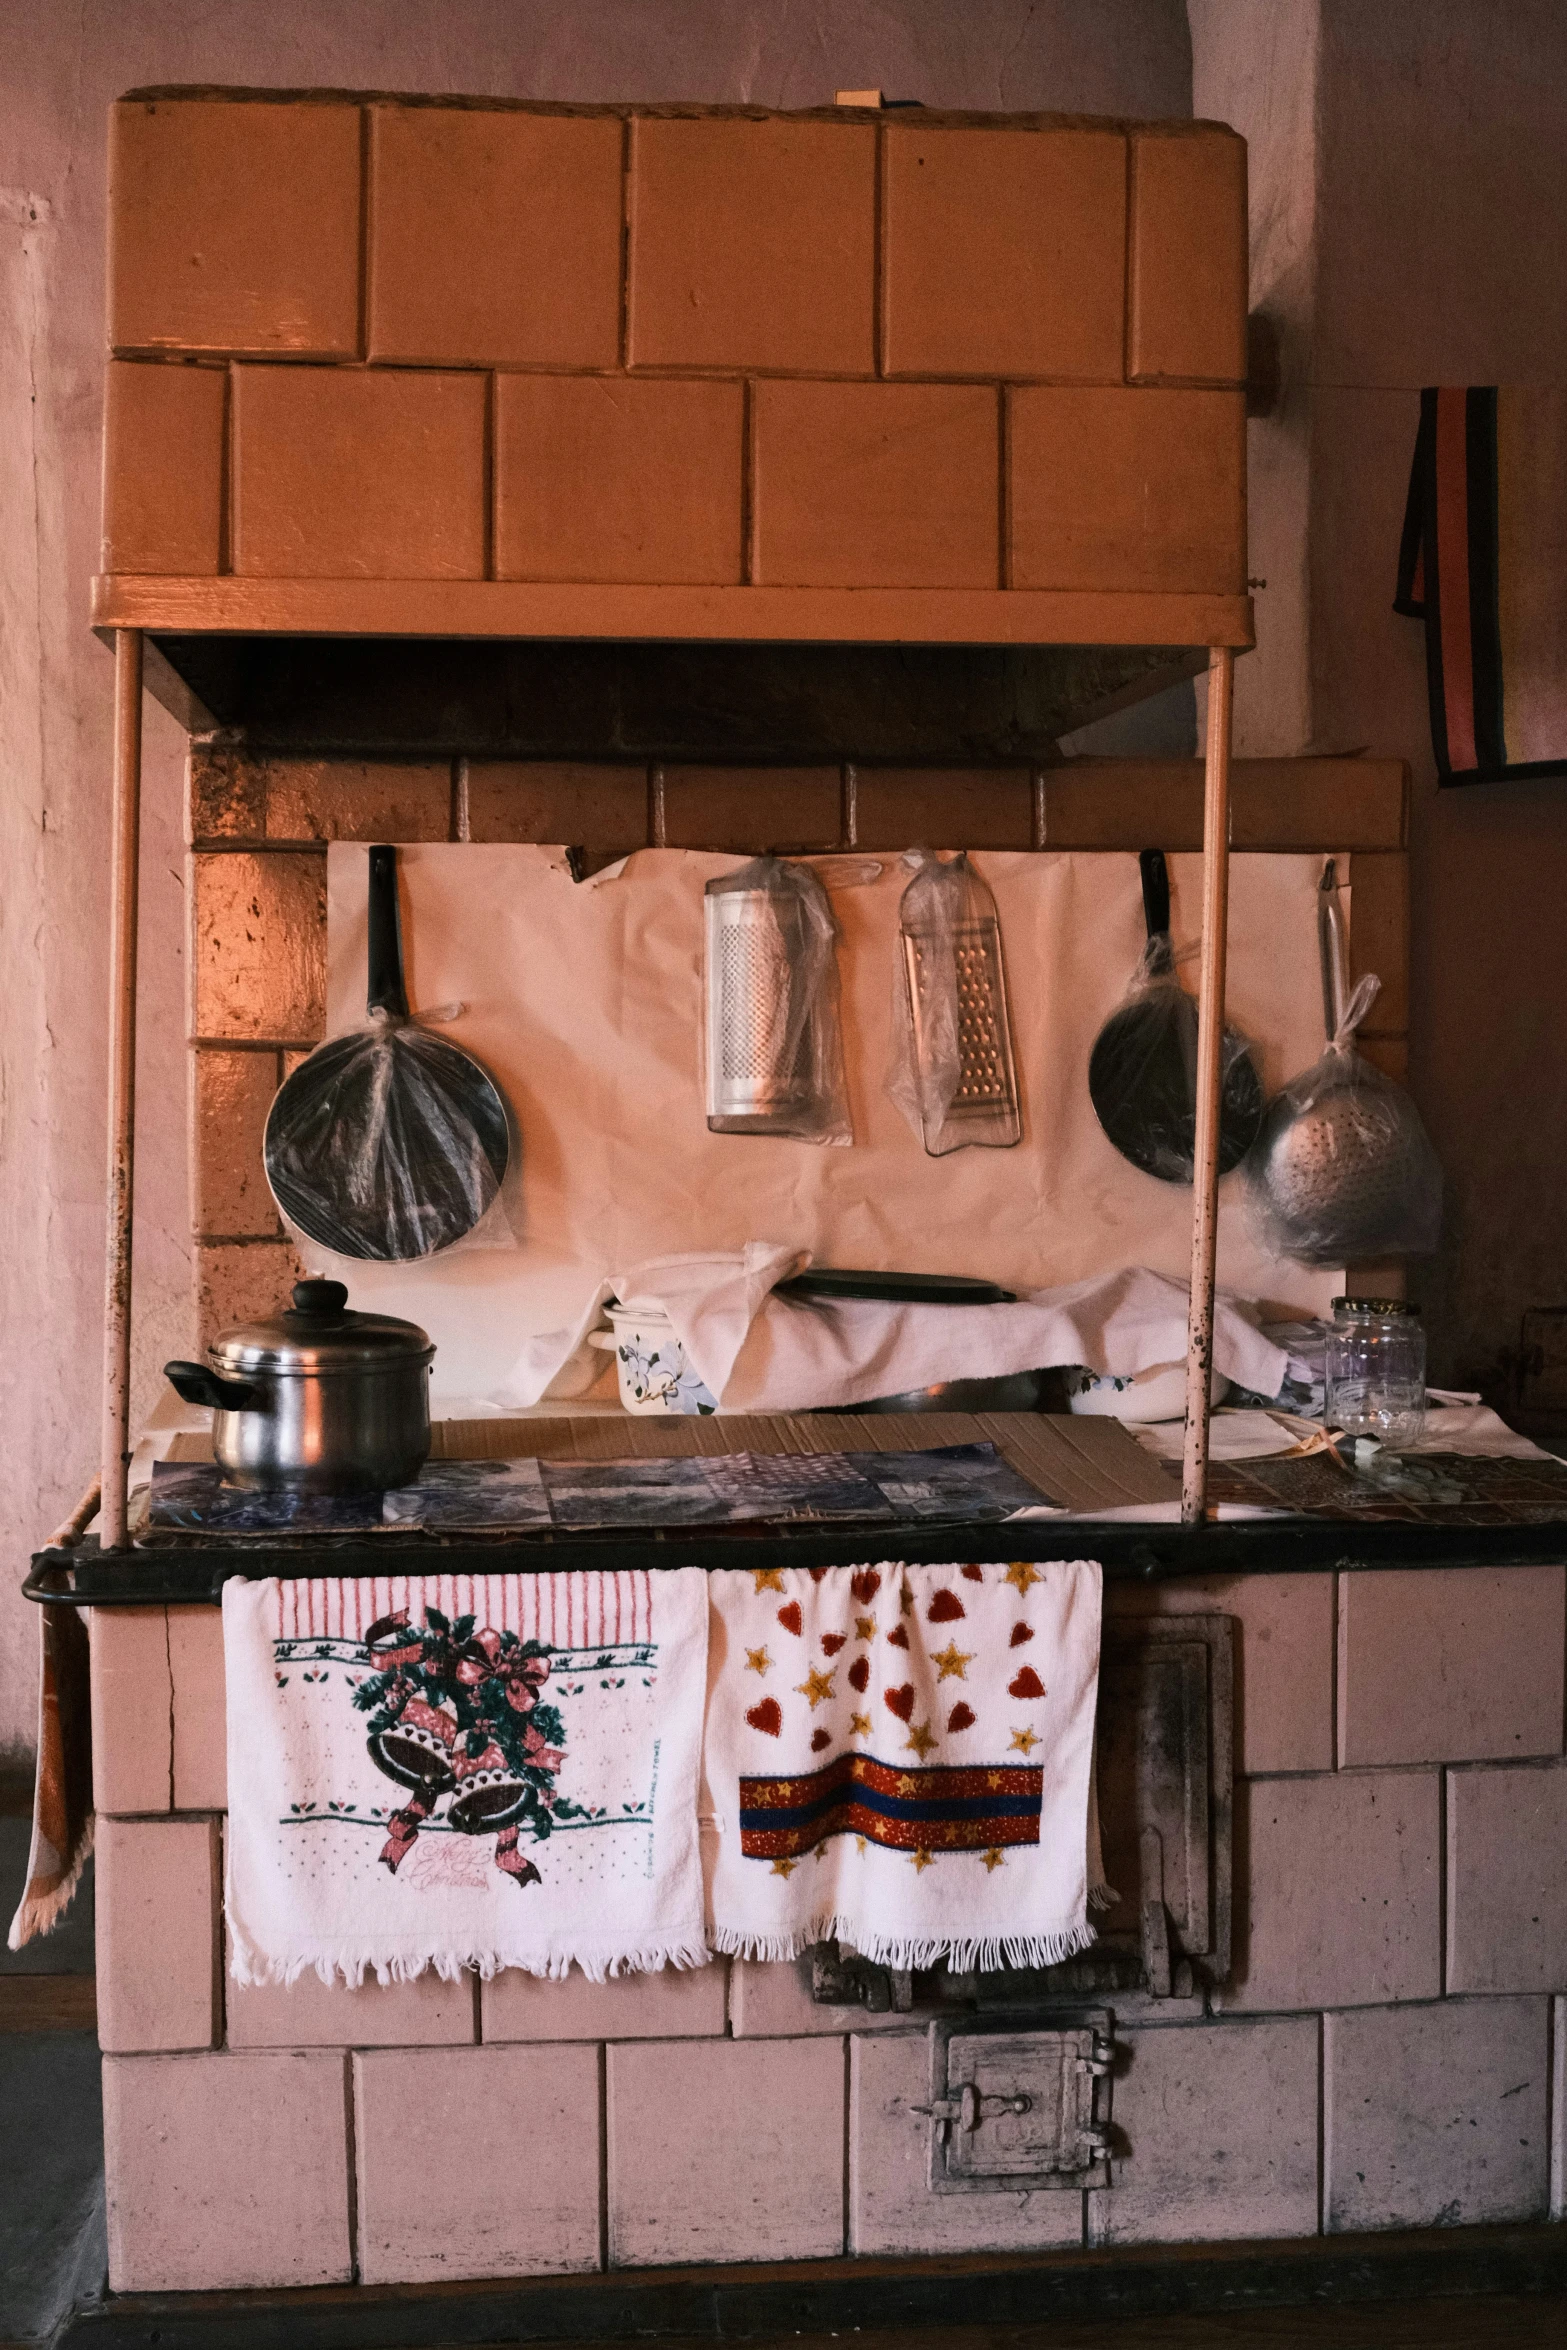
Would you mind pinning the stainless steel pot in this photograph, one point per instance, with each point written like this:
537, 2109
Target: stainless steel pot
320, 1400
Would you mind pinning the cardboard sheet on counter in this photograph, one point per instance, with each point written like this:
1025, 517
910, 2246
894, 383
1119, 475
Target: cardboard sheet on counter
586, 1001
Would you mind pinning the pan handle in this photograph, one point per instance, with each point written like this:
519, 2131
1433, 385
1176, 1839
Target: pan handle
1156, 906
386, 992
1334, 953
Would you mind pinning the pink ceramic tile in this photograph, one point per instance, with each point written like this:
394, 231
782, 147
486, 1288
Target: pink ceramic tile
479, 2162
892, 2207
1507, 1878
425, 2013
725, 2150
1219, 2127
1436, 2116
225, 2172
681, 2003
1283, 1659
1448, 1665
196, 1662
1336, 1899
131, 1700
157, 1925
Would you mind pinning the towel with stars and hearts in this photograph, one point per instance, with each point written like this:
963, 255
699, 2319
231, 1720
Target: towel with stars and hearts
902, 1758
464, 1771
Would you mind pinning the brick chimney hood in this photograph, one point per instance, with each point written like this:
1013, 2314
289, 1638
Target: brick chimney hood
462, 371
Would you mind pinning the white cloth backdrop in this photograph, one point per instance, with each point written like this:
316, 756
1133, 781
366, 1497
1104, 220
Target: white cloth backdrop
586, 1000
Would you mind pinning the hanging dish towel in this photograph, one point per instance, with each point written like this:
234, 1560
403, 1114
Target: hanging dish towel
1482, 560
463, 1771
62, 1836
901, 1757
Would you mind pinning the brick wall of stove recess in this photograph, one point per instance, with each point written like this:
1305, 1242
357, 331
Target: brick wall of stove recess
691, 346
1391, 2051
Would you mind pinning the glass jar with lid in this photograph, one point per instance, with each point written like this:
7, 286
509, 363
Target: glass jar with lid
1376, 1370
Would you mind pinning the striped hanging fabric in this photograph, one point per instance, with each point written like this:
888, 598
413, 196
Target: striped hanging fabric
1484, 564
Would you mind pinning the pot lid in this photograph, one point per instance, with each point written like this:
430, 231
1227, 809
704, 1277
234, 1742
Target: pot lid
319, 1334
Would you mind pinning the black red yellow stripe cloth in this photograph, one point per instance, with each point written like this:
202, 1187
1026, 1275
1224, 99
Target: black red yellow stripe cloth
1483, 563
906, 1810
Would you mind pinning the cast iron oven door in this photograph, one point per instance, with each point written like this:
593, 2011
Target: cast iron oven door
1020, 2109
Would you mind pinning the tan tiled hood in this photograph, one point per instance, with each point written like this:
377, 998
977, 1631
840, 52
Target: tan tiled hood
462, 368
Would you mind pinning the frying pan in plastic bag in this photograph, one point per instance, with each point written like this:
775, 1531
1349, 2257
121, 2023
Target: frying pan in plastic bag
390, 1143
1142, 1073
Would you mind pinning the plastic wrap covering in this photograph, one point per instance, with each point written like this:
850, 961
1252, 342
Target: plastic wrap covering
1142, 1073
774, 1040
1344, 1171
953, 1073
383, 1145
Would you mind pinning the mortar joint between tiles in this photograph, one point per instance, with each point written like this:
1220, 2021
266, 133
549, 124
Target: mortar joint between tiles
848, 2139
1322, 2126
351, 2137
747, 482
1127, 261
1003, 485
603, 2139
365, 248
168, 1655
878, 252
220, 2016
491, 470
1441, 1881
623, 324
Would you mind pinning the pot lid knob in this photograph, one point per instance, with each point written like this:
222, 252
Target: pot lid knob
319, 1300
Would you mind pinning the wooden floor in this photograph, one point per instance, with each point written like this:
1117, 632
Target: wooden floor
1525, 2322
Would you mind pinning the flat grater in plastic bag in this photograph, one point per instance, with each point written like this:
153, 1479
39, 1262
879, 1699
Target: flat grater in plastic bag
956, 1075
774, 1049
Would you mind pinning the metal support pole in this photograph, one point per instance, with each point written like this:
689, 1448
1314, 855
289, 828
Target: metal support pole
116, 1450
1210, 1075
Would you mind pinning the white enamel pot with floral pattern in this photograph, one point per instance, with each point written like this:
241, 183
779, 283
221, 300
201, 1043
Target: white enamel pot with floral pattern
650, 1362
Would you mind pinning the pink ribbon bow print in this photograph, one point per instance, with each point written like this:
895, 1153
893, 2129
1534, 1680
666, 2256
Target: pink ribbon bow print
519, 1677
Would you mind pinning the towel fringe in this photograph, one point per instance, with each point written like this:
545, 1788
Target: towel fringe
984, 1954
255, 1972
38, 1914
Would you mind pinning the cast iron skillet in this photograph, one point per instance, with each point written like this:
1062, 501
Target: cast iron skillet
1142, 1073
389, 1143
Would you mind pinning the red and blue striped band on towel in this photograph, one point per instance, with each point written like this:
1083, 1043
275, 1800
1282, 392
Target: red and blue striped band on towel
855, 1795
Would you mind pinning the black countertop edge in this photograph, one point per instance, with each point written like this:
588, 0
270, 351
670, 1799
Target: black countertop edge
192, 1574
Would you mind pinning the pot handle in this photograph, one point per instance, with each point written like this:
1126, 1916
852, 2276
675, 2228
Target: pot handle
1156, 912
604, 1340
196, 1384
